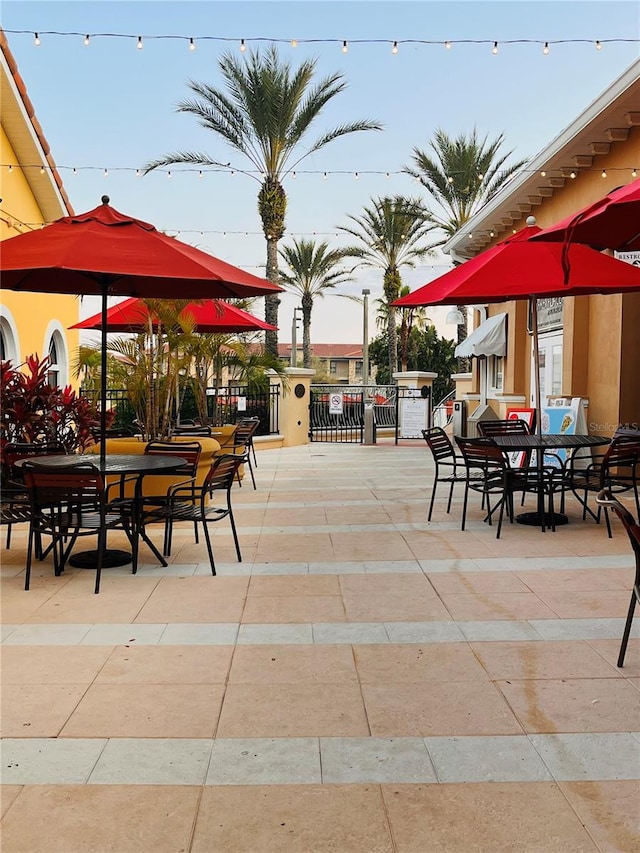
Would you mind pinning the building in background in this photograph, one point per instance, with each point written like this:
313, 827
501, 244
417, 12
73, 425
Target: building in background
338, 363
589, 345
32, 194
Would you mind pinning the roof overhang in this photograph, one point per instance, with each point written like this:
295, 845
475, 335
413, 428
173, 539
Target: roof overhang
605, 121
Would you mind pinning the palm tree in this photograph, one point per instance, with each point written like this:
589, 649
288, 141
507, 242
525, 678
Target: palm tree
313, 269
265, 111
389, 235
461, 175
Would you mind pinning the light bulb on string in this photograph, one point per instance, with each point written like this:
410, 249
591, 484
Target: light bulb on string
200, 175
36, 39
604, 173
494, 49
294, 43
293, 175
139, 45
394, 49
169, 174
192, 45
572, 175
634, 173
87, 41
324, 176
106, 173
75, 171
546, 49
357, 176
137, 173
598, 44
42, 170
450, 180
10, 168
543, 174
345, 46
243, 46
447, 44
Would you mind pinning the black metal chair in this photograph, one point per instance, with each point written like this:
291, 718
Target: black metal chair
617, 470
189, 504
450, 467
489, 474
242, 444
71, 501
188, 429
606, 499
244, 422
189, 451
14, 507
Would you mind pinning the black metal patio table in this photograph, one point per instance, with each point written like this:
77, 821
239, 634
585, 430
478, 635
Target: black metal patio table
541, 444
120, 465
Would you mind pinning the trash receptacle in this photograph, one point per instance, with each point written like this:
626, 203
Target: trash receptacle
460, 417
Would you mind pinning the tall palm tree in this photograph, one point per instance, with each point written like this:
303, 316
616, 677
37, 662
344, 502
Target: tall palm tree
390, 234
313, 269
461, 175
263, 113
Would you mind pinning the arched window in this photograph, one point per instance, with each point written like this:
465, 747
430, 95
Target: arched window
8, 339
57, 375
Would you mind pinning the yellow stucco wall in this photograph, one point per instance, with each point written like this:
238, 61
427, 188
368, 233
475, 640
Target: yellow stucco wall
31, 318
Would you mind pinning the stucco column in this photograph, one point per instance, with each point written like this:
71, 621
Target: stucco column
293, 416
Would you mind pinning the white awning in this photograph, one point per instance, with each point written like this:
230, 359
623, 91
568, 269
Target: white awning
490, 338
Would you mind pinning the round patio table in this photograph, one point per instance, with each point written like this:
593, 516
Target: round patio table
120, 465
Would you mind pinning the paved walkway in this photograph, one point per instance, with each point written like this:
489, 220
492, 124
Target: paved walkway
363, 681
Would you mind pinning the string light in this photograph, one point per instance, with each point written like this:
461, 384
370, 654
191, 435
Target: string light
546, 49
447, 44
604, 173
200, 175
192, 45
87, 41
294, 43
634, 173
293, 175
598, 44
169, 174
243, 46
36, 39
324, 175
543, 174
357, 176
106, 173
345, 47
572, 175
494, 49
10, 168
394, 49
139, 44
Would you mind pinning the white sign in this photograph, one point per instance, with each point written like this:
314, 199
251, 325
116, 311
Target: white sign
413, 417
335, 404
242, 404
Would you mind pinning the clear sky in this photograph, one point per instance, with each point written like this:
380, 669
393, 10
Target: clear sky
112, 106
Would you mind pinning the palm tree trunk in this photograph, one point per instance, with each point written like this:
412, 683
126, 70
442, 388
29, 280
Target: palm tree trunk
307, 305
272, 301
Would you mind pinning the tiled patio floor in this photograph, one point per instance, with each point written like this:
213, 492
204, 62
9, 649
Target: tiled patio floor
363, 681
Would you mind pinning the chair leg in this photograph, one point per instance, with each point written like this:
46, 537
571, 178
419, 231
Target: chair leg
635, 596
102, 538
464, 505
27, 575
433, 497
608, 522
8, 546
235, 533
450, 496
209, 548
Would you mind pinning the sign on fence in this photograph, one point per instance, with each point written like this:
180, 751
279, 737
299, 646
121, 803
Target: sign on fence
413, 416
335, 404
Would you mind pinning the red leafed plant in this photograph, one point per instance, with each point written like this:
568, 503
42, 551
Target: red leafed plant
33, 410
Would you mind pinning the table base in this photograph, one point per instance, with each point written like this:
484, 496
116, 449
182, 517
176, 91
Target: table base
533, 519
111, 558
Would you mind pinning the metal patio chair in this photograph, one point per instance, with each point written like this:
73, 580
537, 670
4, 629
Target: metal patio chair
450, 467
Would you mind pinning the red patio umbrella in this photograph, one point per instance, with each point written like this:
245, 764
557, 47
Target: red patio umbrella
213, 315
612, 222
518, 268
108, 253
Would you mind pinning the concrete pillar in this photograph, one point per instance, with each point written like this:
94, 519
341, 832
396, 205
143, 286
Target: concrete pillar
293, 416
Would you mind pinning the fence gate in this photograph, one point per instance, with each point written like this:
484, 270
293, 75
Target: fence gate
336, 413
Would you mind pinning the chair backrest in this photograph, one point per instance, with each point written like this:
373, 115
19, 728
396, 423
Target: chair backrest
15, 450
245, 430
624, 451
482, 453
76, 485
222, 472
439, 444
628, 521
508, 426
189, 450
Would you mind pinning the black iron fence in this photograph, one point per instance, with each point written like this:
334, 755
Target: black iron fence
224, 406
336, 412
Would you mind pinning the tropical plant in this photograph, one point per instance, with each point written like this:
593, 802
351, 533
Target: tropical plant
264, 112
460, 175
390, 235
314, 268
426, 351
35, 411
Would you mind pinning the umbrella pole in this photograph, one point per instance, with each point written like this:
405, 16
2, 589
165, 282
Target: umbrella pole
103, 377
536, 363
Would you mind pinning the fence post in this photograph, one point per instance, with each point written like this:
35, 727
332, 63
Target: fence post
294, 406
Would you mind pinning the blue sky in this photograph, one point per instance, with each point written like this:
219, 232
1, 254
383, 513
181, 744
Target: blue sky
112, 106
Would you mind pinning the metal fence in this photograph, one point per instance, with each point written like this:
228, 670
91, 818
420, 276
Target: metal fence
224, 406
336, 412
